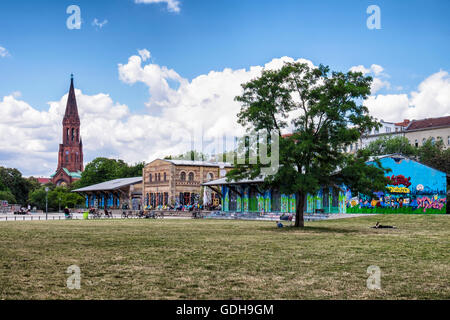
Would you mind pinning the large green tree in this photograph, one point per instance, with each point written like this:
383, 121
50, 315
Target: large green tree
103, 169
327, 116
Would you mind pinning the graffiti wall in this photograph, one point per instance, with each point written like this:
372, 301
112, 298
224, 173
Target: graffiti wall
413, 188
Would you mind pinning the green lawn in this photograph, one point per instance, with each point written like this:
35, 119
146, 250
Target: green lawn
216, 259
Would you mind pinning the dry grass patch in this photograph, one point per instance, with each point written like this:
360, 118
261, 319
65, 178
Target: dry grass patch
217, 259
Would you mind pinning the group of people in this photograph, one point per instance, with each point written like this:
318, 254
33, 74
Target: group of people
285, 217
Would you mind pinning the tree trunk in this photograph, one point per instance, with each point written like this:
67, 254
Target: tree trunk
299, 222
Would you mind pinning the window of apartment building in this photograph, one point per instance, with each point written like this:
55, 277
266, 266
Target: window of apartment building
191, 176
183, 176
388, 129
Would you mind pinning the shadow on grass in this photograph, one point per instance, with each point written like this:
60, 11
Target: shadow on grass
309, 229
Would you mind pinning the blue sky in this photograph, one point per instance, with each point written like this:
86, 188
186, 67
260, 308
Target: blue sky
137, 108
210, 35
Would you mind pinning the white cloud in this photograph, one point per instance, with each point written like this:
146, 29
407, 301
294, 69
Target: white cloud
97, 23
172, 5
3, 53
432, 99
376, 70
145, 54
177, 109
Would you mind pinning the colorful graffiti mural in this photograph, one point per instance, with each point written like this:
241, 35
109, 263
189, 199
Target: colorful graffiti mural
413, 188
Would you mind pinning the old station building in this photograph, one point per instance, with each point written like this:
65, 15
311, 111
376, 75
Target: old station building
179, 182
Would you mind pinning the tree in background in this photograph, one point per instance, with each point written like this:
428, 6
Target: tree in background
327, 117
190, 155
384, 146
434, 154
12, 183
58, 197
103, 169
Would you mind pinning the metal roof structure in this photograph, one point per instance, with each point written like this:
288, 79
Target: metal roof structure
223, 181
198, 163
111, 185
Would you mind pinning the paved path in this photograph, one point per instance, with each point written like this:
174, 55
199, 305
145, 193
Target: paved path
79, 216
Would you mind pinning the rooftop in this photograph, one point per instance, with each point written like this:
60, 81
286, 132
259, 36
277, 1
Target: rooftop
111, 185
429, 123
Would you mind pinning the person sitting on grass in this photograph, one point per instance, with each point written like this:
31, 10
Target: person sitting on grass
279, 224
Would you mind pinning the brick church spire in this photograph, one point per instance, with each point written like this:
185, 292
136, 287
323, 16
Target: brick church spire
70, 156
71, 107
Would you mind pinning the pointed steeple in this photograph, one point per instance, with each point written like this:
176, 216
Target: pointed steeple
71, 107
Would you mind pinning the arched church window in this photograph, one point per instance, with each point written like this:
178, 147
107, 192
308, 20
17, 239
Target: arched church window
191, 176
73, 134
183, 176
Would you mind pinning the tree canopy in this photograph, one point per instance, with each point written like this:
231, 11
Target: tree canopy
387, 145
13, 184
103, 169
325, 113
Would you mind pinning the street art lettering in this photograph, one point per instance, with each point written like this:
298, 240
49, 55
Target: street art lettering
398, 190
427, 203
400, 179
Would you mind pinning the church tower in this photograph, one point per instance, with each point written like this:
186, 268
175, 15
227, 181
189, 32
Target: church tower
70, 156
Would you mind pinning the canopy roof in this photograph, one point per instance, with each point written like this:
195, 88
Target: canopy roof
111, 185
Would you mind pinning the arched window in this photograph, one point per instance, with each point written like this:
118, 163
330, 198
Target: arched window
73, 134
159, 176
150, 177
191, 176
77, 137
67, 134
210, 176
165, 176
183, 176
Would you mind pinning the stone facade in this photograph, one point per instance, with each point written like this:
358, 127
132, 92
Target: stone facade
174, 182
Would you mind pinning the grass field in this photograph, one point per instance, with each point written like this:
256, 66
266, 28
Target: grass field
216, 259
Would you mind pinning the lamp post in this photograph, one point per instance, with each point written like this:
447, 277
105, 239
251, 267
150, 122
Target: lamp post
46, 203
